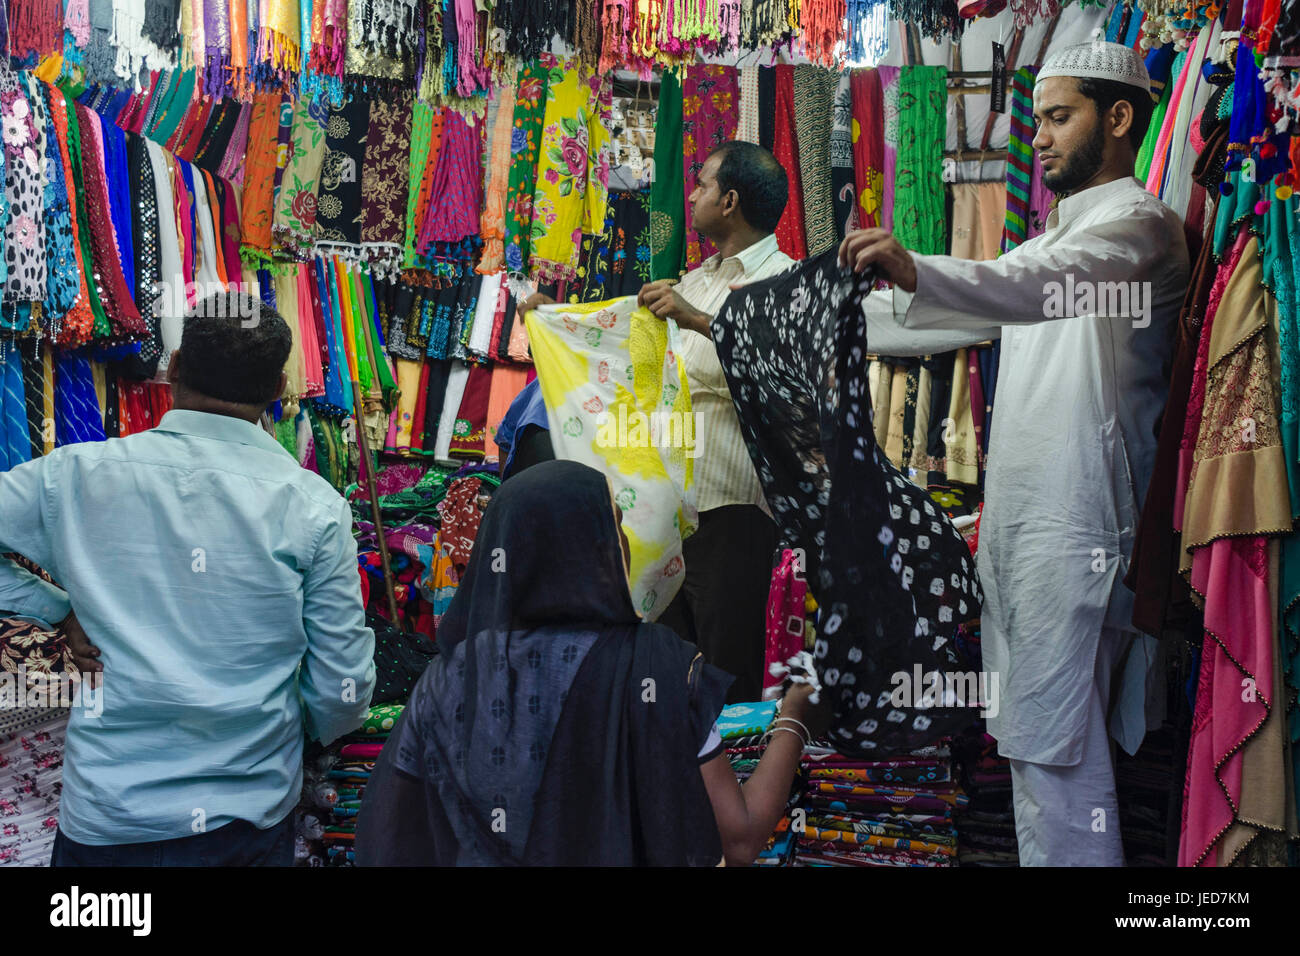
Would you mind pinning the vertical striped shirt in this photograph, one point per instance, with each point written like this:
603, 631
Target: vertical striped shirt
724, 472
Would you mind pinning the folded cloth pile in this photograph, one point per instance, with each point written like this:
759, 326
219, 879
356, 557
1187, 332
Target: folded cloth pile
333, 786
987, 824
896, 812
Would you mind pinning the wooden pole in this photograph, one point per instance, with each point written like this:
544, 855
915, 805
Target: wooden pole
358, 412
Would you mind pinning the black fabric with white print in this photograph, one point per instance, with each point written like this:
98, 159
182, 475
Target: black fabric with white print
893, 577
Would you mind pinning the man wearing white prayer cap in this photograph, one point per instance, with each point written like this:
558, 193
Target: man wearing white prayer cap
1086, 313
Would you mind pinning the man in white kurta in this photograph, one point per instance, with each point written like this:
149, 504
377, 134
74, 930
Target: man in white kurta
1085, 313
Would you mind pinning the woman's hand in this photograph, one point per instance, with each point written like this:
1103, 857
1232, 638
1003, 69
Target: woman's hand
877, 247
797, 704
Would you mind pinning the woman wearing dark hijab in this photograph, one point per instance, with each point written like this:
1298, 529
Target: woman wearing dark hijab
557, 728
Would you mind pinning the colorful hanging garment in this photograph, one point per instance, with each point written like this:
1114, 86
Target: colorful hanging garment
889, 100
492, 222
1021, 159
384, 177
868, 146
790, 230
919, 221
618, 400
785, 615
843, 201
260, 166
24, 176
338, 192
294, 224
667, 195
573, 173
453, 213
525, 153
710, 96
814, 97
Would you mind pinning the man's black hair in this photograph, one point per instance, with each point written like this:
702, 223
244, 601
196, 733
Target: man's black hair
758, 179
1106, 93
233, 348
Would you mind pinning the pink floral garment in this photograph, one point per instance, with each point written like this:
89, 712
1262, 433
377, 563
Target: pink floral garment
24, 196
710, 112
31, 780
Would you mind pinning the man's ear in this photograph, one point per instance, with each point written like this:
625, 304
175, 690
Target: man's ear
284, 382
730, 202
174, 367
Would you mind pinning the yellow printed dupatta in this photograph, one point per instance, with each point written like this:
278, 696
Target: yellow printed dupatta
617, 400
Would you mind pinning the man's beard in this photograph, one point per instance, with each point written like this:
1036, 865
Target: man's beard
1080, 167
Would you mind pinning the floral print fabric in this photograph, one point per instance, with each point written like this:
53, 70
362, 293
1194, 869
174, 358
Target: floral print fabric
525, 140
710, 95
610, 375
573, 170
295, 211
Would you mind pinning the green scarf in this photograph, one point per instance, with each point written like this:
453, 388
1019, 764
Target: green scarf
525, 153
919, 222
667, 194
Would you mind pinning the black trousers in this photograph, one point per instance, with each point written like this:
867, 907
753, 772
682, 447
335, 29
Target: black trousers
722, 606
238, 843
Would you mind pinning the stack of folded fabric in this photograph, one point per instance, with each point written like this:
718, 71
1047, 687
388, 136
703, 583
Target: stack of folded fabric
987, 824
327, 827
895, 812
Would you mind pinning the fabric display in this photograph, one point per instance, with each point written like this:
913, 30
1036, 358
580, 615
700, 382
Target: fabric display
617, 399
334, 783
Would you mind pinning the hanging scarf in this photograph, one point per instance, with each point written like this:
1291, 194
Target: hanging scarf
814, 97
667, 193
259, 181
492, 224
35, 28
384, 176
893, 577
528, 25
710, 95
295, 210
1020, 158
843, 194
573, 175
790, 229
457, 180
868, 146
64, 274
424, 147
525, 142
338, 191
24, 246
118, 306
919, 222
889, 98
868, 37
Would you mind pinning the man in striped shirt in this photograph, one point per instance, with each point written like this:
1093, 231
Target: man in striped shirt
738, 199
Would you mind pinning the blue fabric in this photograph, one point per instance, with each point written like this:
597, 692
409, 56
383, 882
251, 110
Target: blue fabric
77, 415
15, 442
527, 409
219, 581
337, 391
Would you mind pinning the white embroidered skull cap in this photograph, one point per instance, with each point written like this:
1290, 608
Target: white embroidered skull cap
1100, 60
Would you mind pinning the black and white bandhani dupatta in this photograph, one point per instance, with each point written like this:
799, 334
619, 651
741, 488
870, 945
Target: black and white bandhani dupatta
892, 576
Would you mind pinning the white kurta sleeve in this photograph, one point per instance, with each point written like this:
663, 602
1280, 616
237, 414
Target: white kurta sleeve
887, 336
1030, 284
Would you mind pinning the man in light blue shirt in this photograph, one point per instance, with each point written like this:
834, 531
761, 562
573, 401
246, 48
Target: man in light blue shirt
218, 583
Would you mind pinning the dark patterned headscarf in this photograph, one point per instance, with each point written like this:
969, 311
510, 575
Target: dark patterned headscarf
893, 577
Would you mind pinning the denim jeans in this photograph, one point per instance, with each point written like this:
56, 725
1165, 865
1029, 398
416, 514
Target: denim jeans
236, 844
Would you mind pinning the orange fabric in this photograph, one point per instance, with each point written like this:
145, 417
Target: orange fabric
259, 171
507, 382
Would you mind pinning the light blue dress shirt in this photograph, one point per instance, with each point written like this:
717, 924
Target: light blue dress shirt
219, 580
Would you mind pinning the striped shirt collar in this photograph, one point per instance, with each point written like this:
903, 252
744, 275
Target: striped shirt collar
750, 258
